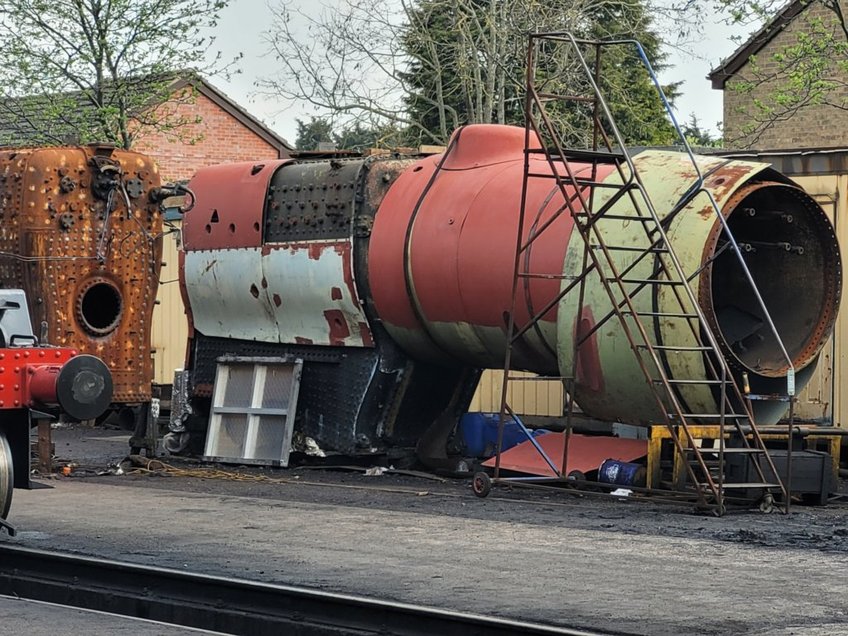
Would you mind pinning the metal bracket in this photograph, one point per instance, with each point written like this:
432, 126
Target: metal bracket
8, 527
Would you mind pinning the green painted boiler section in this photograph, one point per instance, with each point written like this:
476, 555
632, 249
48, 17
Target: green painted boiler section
666, 176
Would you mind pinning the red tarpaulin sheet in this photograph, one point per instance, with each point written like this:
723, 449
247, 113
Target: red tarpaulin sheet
585, 453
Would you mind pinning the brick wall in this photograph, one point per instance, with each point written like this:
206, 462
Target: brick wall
219, 138
810, 127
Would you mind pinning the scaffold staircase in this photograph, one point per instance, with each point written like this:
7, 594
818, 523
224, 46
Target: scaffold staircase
628, 271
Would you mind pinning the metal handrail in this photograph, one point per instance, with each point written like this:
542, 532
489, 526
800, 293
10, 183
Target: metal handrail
696, 188
698, 184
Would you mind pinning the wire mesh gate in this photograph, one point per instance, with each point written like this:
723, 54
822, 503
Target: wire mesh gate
591, 200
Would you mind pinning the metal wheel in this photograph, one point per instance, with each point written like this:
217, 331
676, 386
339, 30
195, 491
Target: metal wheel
481, 484
7, 476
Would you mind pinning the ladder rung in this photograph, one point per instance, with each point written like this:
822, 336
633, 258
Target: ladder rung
518, 378
690, 381
586, 155
660, 314
551, 175
588, 183
674, 348
577, 182
749, 484
710, 416
617, 217
646, 281
589, 99
547, 276
768, 398
629, 248
734, 450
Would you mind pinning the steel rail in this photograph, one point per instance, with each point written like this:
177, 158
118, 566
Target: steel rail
229, 605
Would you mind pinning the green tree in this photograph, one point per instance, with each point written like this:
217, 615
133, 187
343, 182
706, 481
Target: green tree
360, 137
309, 134
93, 68
697, 136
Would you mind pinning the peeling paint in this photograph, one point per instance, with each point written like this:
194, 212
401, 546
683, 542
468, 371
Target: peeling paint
312, 276
339, 329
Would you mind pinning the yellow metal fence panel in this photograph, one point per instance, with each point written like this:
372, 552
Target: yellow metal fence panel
821, 400
540, 397
170, 326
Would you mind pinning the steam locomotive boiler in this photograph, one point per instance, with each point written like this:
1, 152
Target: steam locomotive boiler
38, 381
391, 280
82, 237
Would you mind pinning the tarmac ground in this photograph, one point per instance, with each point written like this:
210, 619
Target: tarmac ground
625, 566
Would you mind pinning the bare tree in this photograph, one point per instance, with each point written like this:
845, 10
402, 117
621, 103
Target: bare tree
92, 69
429, 66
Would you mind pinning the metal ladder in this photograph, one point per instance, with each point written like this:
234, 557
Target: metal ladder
589, 210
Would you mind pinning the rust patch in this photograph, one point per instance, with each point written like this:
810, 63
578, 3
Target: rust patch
590, 373
315, 251
277, 300
339, 329
726, 179
303, 341
381, 177
211, 265
365, 333
707, 212
347, 272
254, 291
89, 270
336, 293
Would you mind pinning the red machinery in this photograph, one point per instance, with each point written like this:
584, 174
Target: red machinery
38, 381
391, 279
82, 236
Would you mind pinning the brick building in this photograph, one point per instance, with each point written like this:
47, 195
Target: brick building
220, 132
754, 72
808, 144
225, 133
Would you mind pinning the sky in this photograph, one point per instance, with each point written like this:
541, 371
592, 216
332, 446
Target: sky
242, 23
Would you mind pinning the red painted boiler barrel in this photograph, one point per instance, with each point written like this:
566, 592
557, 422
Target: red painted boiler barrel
442, 252
441, 257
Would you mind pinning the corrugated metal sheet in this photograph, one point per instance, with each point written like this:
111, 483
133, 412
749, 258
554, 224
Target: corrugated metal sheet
169, 331
822, 400
540, 397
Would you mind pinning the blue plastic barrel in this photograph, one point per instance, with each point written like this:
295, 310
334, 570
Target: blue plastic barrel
613, 471
479, 434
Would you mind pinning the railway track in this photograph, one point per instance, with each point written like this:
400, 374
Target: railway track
230, 605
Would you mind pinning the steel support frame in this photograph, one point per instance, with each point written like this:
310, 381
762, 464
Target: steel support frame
675, 422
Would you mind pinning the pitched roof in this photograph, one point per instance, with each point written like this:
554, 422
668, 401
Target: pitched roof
757, 41
231, 107
33, 119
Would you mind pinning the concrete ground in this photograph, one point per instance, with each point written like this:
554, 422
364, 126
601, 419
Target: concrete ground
623, 566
